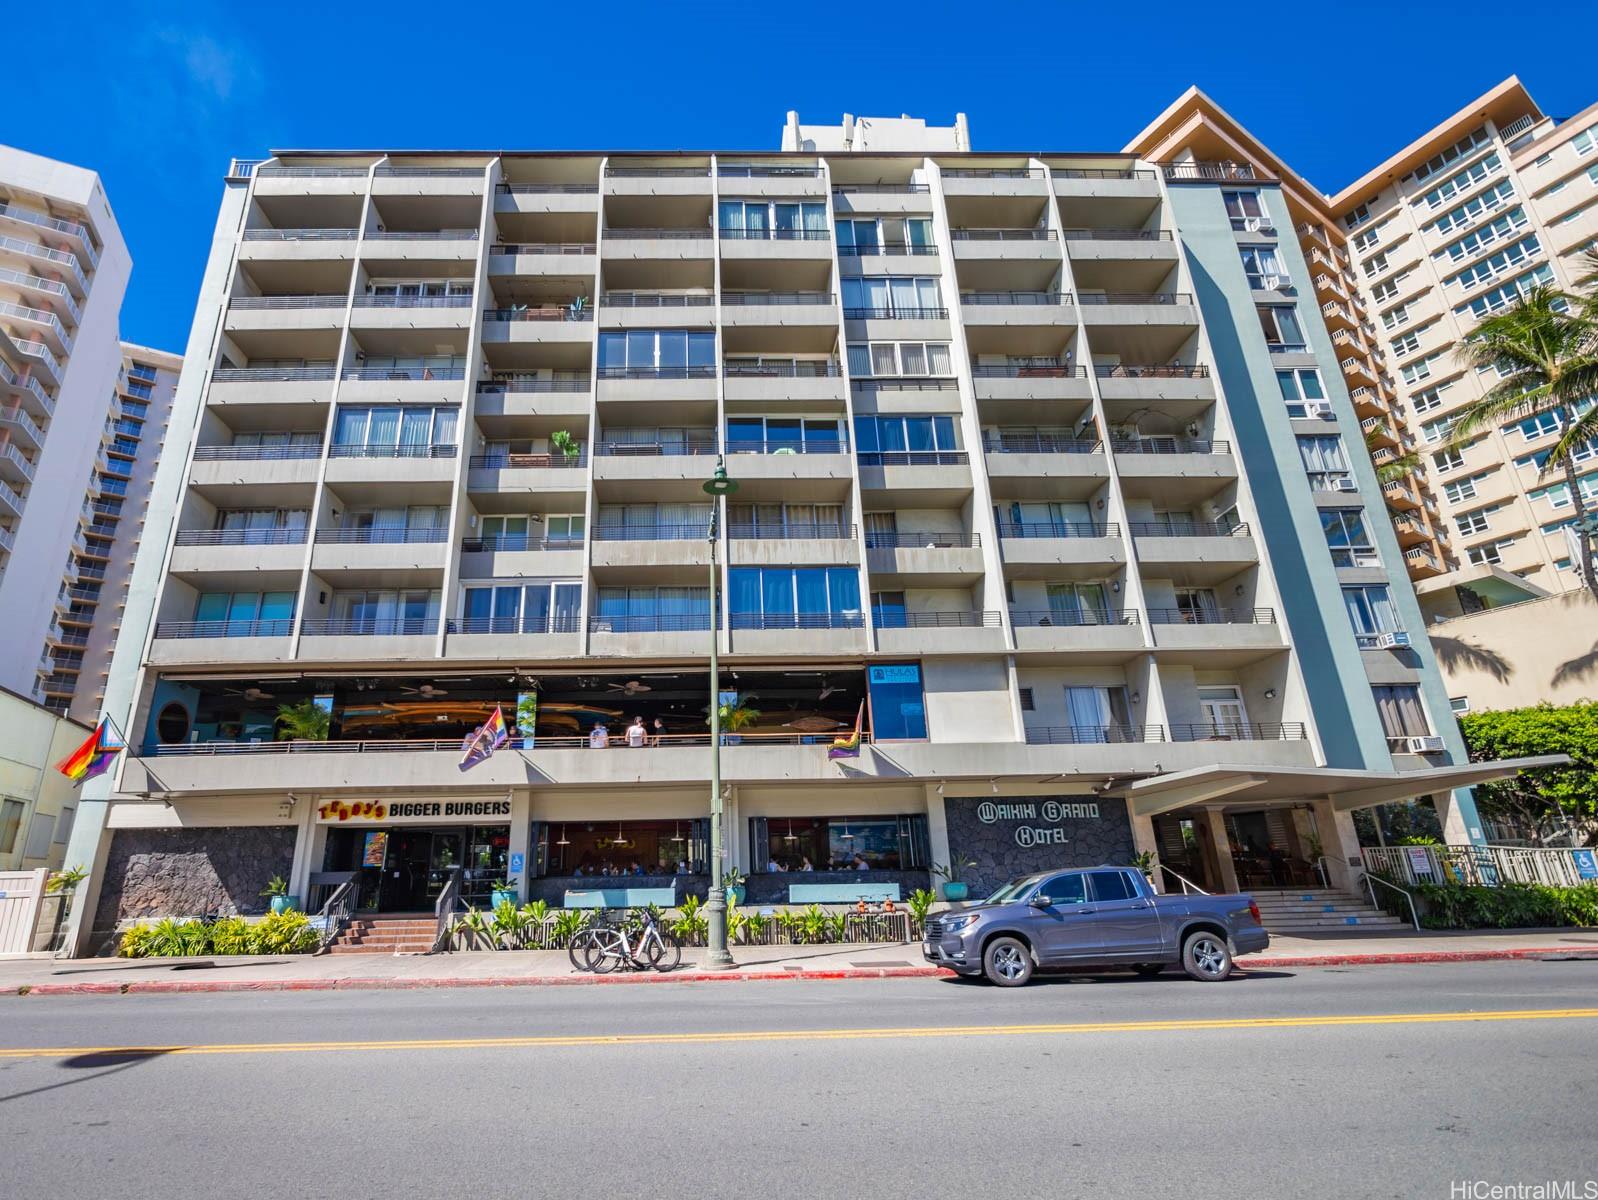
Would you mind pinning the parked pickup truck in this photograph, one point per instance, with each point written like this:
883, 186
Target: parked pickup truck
1093, 917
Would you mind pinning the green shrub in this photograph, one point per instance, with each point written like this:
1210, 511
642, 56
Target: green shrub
135, 941
1510, 906
920, 904
691, 925
232, 935
284, 933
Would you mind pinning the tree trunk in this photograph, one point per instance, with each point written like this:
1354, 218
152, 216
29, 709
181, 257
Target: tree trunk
1583, 537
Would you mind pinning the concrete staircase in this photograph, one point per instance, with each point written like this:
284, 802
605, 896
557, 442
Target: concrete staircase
1320, 910
398, 934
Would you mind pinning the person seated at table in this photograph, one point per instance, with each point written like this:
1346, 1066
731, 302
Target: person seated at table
598, 736
638, 868
636, 733
805, 865
682, 867
860, 864
774, 866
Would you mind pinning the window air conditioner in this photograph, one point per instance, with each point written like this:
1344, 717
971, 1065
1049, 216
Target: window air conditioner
1270, 282
1392, 641
1344, 484
1424, 745
1320, 410
1253, 224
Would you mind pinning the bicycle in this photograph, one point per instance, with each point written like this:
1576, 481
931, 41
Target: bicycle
607, 945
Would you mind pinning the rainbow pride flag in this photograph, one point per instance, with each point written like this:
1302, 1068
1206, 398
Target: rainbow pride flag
95, 756
848, 747
481, 743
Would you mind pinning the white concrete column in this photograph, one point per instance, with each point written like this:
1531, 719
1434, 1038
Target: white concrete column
1143, 840
1221, 849
1340, 844
937, 827
309, 838
521, 834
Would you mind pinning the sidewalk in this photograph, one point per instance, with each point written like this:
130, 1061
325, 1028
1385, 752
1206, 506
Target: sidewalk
111, 976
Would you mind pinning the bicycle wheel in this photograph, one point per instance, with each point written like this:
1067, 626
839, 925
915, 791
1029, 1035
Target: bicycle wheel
605, 951
664, 951
576, 949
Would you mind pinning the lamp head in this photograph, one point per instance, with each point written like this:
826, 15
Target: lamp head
718, 484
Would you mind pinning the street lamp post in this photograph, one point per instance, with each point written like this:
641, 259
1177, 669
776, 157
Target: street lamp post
717, 956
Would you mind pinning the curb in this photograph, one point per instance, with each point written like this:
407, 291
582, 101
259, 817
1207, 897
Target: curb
171, 987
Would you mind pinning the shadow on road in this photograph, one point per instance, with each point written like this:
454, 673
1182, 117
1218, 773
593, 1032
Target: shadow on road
112, 1062
1058, 978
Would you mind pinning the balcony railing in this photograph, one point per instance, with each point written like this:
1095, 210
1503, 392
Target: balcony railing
993, 172
1238, 731
1035, 618
372, 627
34, 250
240, 537
705, 444
383, 535
300, 235
1212, 616
1150, 371
1093, 735
615, 172
1041, 443
490, 387
271, 627
777, 446
1204, 170
658, 299
881, 189
1168, 298
896, 314
15, 416
790, 620
792, 370
779, 235
246, 303
537, 189
271, 374
1188, 529
650, 623
38, 283
891, 249
556, 623
767, 170
541, 248
310, 172
657, 372
526, 462
1028, 371
1170, 445
1002, 235
790, 532
751, 299
404, 172
518, 542
692, 532
1116, 235
913, 458
401, 374
458, 301
909, 539
255, 453
37, 316
1052, 299
72, 228
1058, 529
435, 450
1102, 173
641, 233
936, 620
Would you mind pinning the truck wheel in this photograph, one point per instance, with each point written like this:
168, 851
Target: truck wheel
1007, 962
1205, 957
1147, 970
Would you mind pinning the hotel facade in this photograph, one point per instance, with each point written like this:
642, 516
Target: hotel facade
1026, 491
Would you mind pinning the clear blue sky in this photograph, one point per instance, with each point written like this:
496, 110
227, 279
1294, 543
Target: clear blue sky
158, 97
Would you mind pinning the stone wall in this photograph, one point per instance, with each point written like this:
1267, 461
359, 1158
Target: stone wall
1016, 835
153, 873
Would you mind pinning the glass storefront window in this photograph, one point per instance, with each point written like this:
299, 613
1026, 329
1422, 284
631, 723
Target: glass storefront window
803, 844
898, 708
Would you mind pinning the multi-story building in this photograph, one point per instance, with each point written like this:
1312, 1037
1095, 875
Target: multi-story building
119, 494
63, 271
1022, 490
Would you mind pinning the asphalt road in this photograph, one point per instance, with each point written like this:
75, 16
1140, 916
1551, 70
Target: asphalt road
892, 1088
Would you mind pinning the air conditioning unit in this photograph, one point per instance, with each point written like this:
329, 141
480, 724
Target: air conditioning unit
1392, 641
1270, 282
1424, 745
1320, 410
1345, 484
1253, 224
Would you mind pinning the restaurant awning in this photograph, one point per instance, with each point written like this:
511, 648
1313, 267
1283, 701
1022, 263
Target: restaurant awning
1347, 789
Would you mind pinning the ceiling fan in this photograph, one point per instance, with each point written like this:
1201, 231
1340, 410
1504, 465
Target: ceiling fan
426, 691
631, 688
827, 690
250, 693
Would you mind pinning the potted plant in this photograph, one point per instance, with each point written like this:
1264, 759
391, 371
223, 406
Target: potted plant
1143, 860
562, 443
954, 888
504, 893
733, 884
306, 721
733, 718
278, 891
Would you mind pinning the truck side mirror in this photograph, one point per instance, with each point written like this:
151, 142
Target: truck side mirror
1040, 901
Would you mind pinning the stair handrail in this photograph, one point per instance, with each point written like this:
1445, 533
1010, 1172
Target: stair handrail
336, 913
1188, 886
1404, 892
449, 898
1320, 869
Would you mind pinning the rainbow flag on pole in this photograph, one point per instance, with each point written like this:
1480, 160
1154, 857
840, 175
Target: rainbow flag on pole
96, 754
848, 747
481, 743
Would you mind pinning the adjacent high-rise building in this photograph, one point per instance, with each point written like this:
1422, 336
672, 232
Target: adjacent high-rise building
63, 271
1048, 534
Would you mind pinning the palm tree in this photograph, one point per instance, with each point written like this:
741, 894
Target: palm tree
306, 721
1545, 348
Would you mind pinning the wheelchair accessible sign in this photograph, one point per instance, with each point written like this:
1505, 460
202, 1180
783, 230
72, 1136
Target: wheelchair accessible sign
1586, 863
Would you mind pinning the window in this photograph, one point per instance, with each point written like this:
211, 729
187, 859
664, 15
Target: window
650, 609
898, 711
1064, 889
1374, 265
63, 825
1490, 268
397, 523
1539, 425
1462, 182
1299, 389
1098, 714
1324, 461
666, 353
1471, 523
1420, 369
1387, 289
1348, 538
1263, 268
10, 824
1429, 398
245, 614
544, 606
894, 359
1436, 431
761, 219
778, 435
1357, 215
1401, 711
1246, 210
1369, 239
1457, 218
888, 235
1111, 885
1448, 460
1028, 704
648, 521
1489, 555
794, 597
1484, 235
1584, 141
1459, 705
880, 435
786, 521
901, 296
399, 431
1460, 489
1394, 317
522, 532
1078, 604
1407, 344
1437, 162
419, 287
1282, 330
1371, 612
409, 611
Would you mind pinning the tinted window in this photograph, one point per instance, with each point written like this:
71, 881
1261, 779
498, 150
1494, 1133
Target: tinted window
1112, 885
1064, 889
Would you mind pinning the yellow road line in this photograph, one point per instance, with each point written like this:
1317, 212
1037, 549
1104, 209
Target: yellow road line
810, 1035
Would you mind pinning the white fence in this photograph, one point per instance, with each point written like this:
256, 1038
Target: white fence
21, 895
1487, 866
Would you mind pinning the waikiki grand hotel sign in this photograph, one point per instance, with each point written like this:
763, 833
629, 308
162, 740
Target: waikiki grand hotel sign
1015, 835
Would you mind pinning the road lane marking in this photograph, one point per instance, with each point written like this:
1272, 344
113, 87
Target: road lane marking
807, 1035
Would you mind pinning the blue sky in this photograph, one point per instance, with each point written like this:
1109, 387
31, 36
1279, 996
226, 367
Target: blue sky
158, 97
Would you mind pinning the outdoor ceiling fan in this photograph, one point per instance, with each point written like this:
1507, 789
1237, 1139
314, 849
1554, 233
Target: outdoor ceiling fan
631, 688
426, 691
250, 693
827, 689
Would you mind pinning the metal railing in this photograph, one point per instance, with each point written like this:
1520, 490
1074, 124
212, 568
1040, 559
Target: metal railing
270, 627
463, 300
1238, 731
758, 299
310, 172
767, 171
1371, 880
37, 250
791, 532
270, 374
913, 458
300, 235
893, 249
931, 539
383, 535
657, 372
517, 248
1080, 618
793, 370
1035, 299
936, 620
1058, 529
337, 911
1041, 443
992, 172
535, 189
1150, 371
256, 453
1002, 235
520, 541
373, 627
545, 312
1116, 235
425, 450
775, 446
240, 537
615, 172
1168, 298
1213, 616
896, 314
284, 302
692, 532
882, 189
1093, 735
402, 374
38, 283
788, 620
404, 172
1188, 529
731, 234
641, 233
553, 623
1204, 170
490, 387
658, 299
687, 446
1477, 866
1170, 445
525, 462
1028, 371
651, 622
1188, 886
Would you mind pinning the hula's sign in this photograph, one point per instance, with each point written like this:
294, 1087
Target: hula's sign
411, 810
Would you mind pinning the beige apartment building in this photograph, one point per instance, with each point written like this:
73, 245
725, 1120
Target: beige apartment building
1021, 494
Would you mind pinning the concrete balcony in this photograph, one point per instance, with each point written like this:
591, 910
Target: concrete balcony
1010, 393
1126, 381
657, 310
1045, 466
542, 473
816, 471
1120, 245
412, 312
934, 478
429, 181
1054, 549
994, 181
940, 633
563, 260
238, 552
561, 399
188, 643
250, 314
498, 639
775, 244
932, 559
271, 386
402, 465
672, 554
1007, 310
621, 463
802, 383
813, 634
1111, 183
657, 245
694, 387
1137, 309
298, 245
779, 309
410, 385
649, 636
539, 326
1232, 635
886, 199
398, 556
546, 198
385, 639
310, 181
797, 180
1193, 552
1005, 245
1113, 633
420, 246
657, 181
1176, 464
526, 557
827, 545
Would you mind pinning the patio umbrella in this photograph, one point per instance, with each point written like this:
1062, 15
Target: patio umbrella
813, 724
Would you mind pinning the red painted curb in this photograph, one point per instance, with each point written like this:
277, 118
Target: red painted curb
172, 986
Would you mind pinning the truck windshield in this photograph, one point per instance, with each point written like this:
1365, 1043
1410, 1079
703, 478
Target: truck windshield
1012, 890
